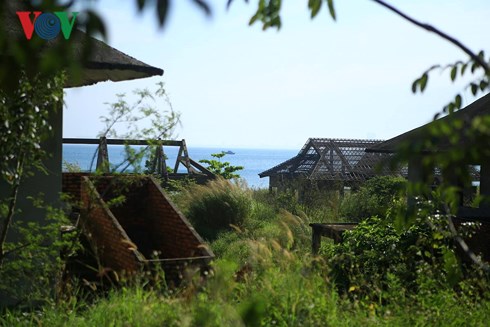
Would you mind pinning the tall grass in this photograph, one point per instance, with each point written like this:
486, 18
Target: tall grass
216, 206
265, 275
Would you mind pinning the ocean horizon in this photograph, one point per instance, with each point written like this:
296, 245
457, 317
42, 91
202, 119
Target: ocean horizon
254, 161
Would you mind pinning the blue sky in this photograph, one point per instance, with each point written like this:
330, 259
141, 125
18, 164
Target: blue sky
238, 86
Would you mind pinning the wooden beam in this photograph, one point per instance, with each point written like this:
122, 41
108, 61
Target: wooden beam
121, 141
102, 156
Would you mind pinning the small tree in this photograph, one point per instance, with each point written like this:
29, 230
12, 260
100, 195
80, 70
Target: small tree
223, 169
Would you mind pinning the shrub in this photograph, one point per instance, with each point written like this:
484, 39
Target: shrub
215, 206
373, 198
376, 258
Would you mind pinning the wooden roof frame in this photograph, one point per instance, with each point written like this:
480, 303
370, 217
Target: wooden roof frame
333, 159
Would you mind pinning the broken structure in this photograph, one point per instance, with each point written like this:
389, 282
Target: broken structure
328, 164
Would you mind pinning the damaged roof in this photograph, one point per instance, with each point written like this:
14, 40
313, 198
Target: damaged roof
333, 159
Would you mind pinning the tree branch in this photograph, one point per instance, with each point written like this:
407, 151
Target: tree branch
462, 244
11, 211
445, 36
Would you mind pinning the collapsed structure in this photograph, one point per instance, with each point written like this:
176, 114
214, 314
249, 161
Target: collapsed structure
131, 225
328, 164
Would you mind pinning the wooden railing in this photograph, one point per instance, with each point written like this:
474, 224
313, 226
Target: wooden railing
158, 164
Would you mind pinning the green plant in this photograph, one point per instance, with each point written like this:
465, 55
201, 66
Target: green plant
130, 117
374, 198
215, 206
223, 169
376, 255
31, 273
24, 114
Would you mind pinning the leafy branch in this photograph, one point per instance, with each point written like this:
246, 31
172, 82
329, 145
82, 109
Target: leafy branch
223, 169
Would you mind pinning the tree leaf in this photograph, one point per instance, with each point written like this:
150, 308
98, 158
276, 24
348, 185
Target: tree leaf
457, 101
454, 71
141, 4
162, 11
315, 6
414, 85
474, 66
331, 9
423, 82
463, 69
204, 6
474, 88
483, 85
253, 19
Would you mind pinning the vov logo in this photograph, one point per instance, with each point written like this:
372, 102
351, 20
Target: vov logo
47, 25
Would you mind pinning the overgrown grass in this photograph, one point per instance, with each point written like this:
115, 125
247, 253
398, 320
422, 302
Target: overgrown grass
265, 275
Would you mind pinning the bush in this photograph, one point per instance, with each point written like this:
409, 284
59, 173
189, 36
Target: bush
376, 259
215, 206
373, 198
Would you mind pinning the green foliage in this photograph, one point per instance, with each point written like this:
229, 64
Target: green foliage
142, 119
264, 275
32, 268
25, 113
215, 206
223, 169
374, 198
316, 205
375, 256
24, 116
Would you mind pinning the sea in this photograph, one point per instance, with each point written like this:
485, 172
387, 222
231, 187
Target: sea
254, 161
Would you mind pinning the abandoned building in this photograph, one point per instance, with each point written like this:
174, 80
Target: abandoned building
328, 164
145, 230
426, 150
102, 63
463, 137
455, 135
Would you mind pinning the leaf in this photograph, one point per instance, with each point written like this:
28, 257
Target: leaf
474, 88
414, 85
141, 4
331, 9
95, 25
162, 11
454, 71
253, 19
423, 82
483, 85
457, 101
463, 69
315, 6
204, 6
474, 66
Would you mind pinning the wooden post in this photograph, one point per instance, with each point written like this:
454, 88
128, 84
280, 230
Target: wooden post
179, 156
183, 157
103, 156
160, 166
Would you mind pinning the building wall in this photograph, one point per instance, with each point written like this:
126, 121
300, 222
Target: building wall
175, 235
126, 236
109, 240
